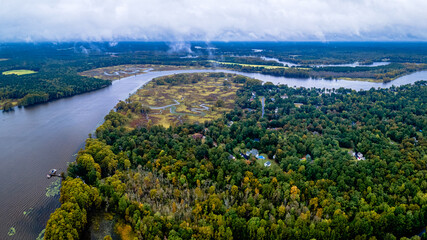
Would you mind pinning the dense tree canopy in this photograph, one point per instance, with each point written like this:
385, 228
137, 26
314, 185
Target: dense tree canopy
166, 183
68, 221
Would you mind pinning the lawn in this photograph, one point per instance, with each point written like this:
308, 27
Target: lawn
274, 166
19, 72
298, 105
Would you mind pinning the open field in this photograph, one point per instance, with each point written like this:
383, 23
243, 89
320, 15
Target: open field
19, 72
206, 98
121, 71
274, 166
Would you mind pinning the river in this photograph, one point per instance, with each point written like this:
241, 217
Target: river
38, 138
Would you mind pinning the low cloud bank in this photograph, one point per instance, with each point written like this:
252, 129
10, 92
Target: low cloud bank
210, 20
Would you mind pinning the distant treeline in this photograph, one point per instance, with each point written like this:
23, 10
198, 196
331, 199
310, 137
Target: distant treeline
383, 73
57, 70
316, 53
58, 65
42, 87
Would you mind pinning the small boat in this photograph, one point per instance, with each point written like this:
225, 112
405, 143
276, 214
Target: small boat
53, 173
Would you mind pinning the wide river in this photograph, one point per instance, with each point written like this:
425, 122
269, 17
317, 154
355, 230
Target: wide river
35, 139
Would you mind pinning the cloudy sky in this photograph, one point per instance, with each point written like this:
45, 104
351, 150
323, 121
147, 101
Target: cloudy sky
208, 20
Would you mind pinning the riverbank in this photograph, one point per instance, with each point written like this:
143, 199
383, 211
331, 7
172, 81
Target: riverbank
114, 73
23, 170
379, 72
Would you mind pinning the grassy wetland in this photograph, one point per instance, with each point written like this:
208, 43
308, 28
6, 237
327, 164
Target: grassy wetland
126, 70
191, 98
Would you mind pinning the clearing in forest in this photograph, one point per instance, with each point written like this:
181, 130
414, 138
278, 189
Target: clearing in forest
19, 72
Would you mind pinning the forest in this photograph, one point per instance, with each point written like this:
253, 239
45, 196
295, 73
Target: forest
385, 73
307, 53
58, 68
285, 163
58, 64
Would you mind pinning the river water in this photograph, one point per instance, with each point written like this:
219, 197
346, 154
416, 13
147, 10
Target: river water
35, 139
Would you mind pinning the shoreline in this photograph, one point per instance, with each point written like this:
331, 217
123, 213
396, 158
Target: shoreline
369, 80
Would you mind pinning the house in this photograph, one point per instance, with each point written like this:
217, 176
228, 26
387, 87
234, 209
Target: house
273, 99
197, 136
306, 158
284, 96
267, 164
360, 156
253, 152
276, 110
231, 157
253, 97
230, 123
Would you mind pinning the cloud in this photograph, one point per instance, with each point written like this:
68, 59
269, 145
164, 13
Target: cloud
179, 47
208, 20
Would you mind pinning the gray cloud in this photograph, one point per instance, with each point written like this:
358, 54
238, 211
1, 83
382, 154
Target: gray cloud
207, 20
